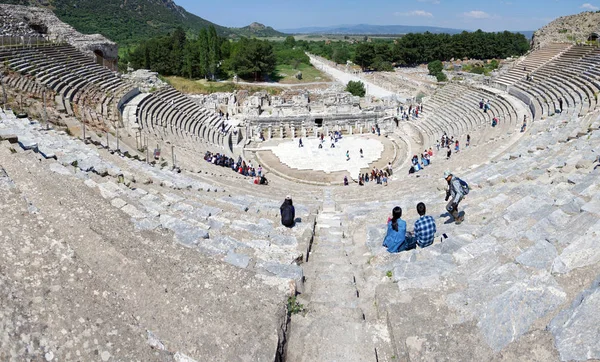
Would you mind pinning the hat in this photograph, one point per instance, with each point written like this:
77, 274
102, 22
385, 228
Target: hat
288, 197
447, 173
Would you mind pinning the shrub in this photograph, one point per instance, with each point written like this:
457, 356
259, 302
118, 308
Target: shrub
478, 70
293, 306
435, 67
356, 88
441, 77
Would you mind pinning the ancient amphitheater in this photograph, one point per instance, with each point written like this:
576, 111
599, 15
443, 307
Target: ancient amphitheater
111, 255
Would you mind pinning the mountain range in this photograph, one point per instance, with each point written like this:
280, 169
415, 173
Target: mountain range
366, 29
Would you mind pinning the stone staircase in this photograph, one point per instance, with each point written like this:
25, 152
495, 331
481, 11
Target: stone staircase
339, 324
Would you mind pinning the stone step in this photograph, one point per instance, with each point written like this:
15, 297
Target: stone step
318, 339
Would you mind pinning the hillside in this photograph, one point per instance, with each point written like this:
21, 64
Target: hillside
258, 30
567, 29
127, 22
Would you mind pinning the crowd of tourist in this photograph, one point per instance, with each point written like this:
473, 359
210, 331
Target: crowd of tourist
240, 166
376, 176
411, 112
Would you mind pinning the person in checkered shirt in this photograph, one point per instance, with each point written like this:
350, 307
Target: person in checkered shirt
424, 227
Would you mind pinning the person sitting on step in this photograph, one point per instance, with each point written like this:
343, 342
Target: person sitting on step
288, 213
425, 229
395, 239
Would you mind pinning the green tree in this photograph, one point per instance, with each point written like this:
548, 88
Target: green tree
365, 54
341, 55
435, 67
254, 58
203, 53
441, 77
356, 88
214, 52
289, 42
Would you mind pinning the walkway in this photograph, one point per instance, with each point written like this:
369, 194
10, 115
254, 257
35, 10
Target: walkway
344, 78
338, 326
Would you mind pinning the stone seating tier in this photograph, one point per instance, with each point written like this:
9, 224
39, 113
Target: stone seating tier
74, 75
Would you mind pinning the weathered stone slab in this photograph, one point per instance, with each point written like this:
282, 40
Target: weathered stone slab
583, 251
593, 206
218, 245
539, 256
576, 329
425, 274
133, 211
483, 287
185, 233
146, 224
511, 314
239, 260
109, 190
375, 236
60, 169
27, 144
118, 203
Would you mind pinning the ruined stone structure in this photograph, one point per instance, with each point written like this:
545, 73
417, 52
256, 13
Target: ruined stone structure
31, 24
297, 113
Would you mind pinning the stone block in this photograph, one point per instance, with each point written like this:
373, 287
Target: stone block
133, 211
118, 203
425, 274
375, 236
238, 260
593, 207
186, 234
60, 169
576, 329
511, 314
539, 256
582, 251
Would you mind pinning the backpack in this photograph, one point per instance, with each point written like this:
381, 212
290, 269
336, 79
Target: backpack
464, 186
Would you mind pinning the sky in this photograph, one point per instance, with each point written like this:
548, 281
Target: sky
488, 15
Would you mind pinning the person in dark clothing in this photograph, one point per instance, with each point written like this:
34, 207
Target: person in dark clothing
560, 104
288, 213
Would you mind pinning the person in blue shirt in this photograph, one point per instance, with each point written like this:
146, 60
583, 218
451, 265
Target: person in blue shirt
424, 227
395, 239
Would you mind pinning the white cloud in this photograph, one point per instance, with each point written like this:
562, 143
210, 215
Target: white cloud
589, 6
416, 13
477, 14
429, 1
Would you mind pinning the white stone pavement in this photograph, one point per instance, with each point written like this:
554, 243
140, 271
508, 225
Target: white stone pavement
344, 78
328, 159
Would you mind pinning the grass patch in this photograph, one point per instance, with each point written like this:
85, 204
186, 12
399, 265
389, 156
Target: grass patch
310, 74
190, 86
388, 274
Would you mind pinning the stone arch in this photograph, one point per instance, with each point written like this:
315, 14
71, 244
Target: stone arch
99, 56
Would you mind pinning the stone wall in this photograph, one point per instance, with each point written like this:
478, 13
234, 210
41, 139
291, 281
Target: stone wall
40, 23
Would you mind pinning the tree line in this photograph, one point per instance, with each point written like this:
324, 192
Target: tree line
210, 56
207, 55
420, 48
